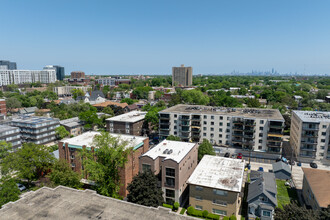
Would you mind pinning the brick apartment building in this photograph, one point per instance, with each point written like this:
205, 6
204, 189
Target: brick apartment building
69, 151
174, 161
77, 75
130, 123
215, 185
3, 109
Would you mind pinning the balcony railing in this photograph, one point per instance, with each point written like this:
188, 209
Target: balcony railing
308, 149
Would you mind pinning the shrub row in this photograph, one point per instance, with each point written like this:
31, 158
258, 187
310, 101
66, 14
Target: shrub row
204, 214
182, 211
167, 206
174, 207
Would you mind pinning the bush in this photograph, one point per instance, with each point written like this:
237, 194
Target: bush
190, 210
213, 216
167, 206
233, 217
205, 213
176, 206
182, 211
225, 218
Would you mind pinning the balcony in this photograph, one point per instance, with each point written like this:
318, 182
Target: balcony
248, 143
275, 131
196, 118
249, 128
238, 134
237, 140
307, 149
195, 135
164, 128
273, 124
249, 123
164, 116
237, 127
165, 122
185, 123
236, 121
309, 134
195, 129
273, 149
308, 142
184, 118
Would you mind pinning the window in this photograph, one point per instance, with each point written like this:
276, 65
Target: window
259, 147
219, 212
220, 192
227, 136
220, 141
111, 129
146, 167
228, 124
198, 207
212, 123
199, 188
322, 147
220, 135
220, 129
170, 172
204, 128
261, 128
204, 134
227, 130
170, 193
262, 198
198, 198
175, 127
212, 117
175, 121
71, 149
205, 116
212, 129
260, 135
324, 126
321, 154
228, 118
322, 140
175, 133
324, 133
111, 125
219, 202
175, 116
205, 123
260, 141
266, 213
221, 118
261, 121
220, 124
212, 135
170, 181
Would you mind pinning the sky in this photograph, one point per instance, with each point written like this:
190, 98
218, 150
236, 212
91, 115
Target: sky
152, 36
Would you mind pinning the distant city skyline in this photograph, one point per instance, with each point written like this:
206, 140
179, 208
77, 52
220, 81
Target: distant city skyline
150, 37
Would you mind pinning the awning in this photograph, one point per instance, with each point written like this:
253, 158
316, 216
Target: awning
275, 135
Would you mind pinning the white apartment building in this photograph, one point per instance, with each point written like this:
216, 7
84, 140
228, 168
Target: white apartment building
8, 77
310, 135
67, 90
260, 130
107, 81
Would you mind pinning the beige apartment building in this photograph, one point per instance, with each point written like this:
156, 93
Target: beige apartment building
215, 185
130, 123
316, 190
310, 136
174, 162
260, 130
182, 76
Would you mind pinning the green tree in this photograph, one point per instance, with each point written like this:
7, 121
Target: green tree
144, 190
8, 190
293, 211
61, 132
90, 119
158, 95
104, 164
62, 174
109, 111
142, 92
28, 162
195, 97
253, 103
4, 149
128, 101
12, 103
173, 138
77, 92
12, 87
205, 148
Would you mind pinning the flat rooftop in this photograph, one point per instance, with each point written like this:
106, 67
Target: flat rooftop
87, 139
313, 116
67, 203
4, 128
170, 150
273, 114
319, 181
219, 173
34, 120
132, 117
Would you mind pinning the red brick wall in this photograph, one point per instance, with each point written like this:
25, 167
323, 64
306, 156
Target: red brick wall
3, 109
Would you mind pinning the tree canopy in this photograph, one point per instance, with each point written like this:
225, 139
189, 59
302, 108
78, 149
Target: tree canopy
62, 174
8, 190
144, 190
61, 132
173, 138
205, 148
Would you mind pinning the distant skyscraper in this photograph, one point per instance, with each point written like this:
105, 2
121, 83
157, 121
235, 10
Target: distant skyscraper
60, 73
7, 65
182, 76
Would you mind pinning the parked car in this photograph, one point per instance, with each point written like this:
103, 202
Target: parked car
278, 159
227, 154
239, 156
21, 187
261, 169
313, 165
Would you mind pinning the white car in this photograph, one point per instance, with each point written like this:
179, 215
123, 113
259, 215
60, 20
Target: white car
21, 187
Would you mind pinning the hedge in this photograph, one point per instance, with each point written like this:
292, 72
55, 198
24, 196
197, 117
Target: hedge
167, 206
182, 211
203, 214
176, 206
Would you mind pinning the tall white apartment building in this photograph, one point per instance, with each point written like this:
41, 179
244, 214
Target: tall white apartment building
8, 77
260, 130
310, 135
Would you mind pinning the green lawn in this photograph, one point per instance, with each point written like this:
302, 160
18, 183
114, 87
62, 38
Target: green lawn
284, 194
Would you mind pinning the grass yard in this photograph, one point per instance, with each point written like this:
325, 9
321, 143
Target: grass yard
285, 194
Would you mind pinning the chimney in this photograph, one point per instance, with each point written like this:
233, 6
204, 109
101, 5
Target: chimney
182, 65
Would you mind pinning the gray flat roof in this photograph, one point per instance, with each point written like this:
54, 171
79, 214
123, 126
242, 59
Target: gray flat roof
219, 173
313, 116
273, 114
67, 203
34, 119
132, 117
7, 128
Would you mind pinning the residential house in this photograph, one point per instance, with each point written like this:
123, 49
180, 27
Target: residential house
262, 195
282, 170
129, 123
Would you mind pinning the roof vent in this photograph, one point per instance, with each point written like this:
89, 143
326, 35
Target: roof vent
165, 151
164, 143
170, 151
